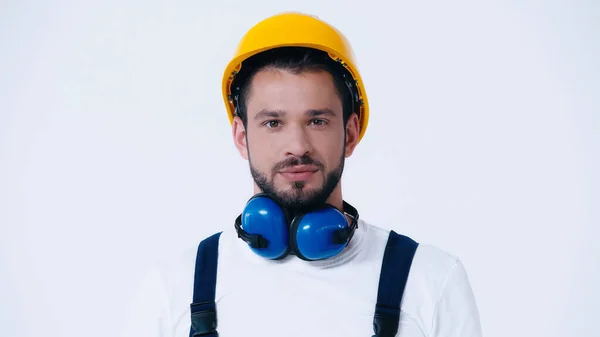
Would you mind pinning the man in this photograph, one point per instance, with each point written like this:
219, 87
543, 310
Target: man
299, 260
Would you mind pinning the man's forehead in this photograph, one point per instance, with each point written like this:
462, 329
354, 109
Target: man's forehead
281, 94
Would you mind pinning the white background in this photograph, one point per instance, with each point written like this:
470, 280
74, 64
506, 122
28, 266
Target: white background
116, 152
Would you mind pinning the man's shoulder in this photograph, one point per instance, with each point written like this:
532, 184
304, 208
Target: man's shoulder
437, 279
432, 258
427, 254
431, 266
181, 266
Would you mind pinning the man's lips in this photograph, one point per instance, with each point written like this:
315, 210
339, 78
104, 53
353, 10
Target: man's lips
300, 169
300, 172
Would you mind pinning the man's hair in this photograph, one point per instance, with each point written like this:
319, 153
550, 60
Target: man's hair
295, 60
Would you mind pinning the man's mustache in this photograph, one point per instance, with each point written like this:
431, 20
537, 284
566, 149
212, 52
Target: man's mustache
295, 161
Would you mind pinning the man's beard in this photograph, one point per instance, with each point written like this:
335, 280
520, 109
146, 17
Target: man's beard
298, 199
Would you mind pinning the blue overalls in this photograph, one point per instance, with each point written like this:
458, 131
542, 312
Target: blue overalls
395, 267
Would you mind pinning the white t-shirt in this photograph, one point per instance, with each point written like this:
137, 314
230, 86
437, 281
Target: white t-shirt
292, 297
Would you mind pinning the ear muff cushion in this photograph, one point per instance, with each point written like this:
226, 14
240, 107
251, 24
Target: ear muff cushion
263, 216
313, 233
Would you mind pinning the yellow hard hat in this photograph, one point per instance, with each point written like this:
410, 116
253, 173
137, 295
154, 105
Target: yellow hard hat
297, 30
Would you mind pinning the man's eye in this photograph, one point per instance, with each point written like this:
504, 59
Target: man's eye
272, 124
318, 122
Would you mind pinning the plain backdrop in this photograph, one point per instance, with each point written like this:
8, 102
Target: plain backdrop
116, 152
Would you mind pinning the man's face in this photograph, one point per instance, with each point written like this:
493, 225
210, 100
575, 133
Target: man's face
295, 136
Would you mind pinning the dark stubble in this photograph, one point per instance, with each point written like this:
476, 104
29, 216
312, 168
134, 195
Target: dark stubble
298, 199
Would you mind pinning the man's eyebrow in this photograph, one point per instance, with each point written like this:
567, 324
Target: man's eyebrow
320, 112
281, 113
269, 114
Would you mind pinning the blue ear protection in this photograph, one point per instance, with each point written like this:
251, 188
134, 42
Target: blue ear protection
319, 234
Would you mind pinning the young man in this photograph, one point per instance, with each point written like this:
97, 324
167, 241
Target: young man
299, 260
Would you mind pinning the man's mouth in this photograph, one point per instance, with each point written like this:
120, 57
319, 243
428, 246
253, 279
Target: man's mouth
299, 172
300, 169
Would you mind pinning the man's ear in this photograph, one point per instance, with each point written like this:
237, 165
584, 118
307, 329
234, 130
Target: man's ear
239, 137
352, 132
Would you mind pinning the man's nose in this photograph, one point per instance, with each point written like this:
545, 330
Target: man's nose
299, 142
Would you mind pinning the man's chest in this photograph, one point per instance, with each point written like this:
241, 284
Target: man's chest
293, 304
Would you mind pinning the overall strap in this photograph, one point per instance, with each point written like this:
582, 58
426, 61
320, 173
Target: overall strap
397, 260
203, 308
